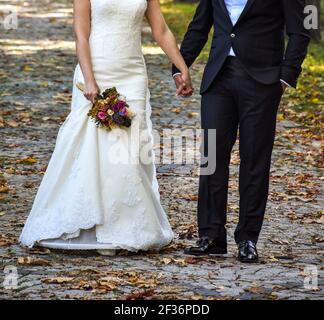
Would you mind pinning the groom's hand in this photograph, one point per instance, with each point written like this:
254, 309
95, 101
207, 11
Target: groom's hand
284, 87
183, 84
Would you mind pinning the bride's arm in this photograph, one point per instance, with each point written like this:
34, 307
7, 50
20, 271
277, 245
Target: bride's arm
166, 40
82, 25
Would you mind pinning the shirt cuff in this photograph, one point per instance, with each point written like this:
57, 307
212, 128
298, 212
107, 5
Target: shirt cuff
176, 74
287, 84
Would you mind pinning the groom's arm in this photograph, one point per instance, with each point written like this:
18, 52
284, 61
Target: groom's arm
197, 34
298, 41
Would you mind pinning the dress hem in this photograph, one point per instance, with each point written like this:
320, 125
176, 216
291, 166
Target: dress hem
80, 246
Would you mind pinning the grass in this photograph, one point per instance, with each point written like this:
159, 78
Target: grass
303, 104
178, 17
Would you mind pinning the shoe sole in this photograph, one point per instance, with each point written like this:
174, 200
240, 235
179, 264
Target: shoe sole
248, 261
107, 253
212, 254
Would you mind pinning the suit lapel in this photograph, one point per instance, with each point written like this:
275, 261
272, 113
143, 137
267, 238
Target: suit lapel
223, 6
246, 9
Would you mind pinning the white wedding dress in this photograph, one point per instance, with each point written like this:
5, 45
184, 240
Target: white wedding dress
98, 192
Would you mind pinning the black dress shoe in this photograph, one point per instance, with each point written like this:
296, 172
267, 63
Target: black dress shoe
247, 252
206, 246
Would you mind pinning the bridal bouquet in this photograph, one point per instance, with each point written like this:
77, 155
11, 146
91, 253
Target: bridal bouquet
110, 110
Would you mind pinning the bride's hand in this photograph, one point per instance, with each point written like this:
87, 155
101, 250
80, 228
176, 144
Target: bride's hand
91, 90
184, 84
188, 83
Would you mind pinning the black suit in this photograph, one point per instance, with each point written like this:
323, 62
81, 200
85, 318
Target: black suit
243, 92
257, 39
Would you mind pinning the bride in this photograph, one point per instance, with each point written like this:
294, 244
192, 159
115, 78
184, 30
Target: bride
100, 190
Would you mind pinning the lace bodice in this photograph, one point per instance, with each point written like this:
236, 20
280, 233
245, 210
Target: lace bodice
116, 27
117, 16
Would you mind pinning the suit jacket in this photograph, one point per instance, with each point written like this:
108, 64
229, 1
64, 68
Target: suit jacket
257, 39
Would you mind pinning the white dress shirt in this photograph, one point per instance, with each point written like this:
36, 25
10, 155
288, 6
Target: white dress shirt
235, 9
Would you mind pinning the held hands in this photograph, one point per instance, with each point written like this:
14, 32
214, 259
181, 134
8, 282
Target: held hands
91, 90
183, 84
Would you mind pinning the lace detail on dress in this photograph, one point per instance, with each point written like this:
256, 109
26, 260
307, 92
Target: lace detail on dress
52, 224
132, 180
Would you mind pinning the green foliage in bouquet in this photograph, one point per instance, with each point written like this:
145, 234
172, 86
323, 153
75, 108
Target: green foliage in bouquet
110, 110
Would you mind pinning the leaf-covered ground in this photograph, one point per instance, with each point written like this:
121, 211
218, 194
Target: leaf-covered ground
36, 68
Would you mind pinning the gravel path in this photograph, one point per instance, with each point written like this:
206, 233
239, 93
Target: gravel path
36, 68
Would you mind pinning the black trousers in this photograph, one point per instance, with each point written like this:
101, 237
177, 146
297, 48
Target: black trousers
235, 100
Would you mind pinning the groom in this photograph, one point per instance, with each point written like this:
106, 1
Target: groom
247, 72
